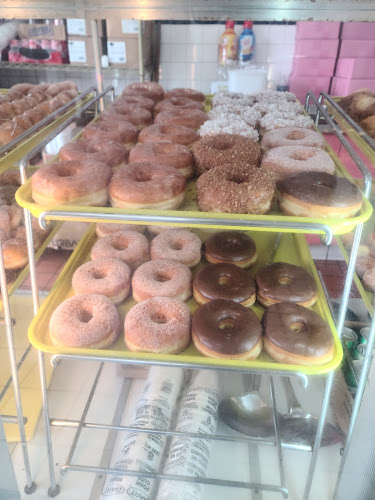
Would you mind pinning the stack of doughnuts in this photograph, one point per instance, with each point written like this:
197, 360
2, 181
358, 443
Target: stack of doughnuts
360, 106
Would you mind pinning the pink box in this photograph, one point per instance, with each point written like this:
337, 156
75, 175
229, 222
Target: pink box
345, 86
358, 31
317, 30
316, 48
355, 68
357, 48
313, 66
300, 85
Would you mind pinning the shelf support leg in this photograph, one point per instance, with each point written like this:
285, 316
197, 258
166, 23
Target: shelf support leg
278, 440
140, 52
97, 59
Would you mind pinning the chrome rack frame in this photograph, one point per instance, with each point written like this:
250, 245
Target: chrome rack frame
60, 215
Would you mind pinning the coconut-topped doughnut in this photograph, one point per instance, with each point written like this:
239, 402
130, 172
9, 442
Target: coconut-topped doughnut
228, 98
251, 116
222, 149
89, 321
103, 228
170, 133
165, 153
195, 95
292, 136
285, 161
238, 189
274, 95
179, 103
178, 245
123, 132
234, 126
151, 90
276, 120
110, 152
191, 117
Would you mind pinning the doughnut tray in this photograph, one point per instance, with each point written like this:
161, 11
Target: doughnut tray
292, 248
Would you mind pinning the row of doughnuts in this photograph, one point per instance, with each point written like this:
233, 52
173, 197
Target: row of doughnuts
25, 105
360, 106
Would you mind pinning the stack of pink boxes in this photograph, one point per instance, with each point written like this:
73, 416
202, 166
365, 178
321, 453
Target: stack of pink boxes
314, 57
356, 64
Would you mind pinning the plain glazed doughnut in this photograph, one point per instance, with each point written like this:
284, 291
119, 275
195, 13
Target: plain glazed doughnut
192, 118
35, 115
368, 279
178, 245
24, 88
230, 247
138, 100
224, 281
15, 253
138, 116
170, 133
9, 130
222, 149
282, 282
151, 90
285, 161
195, 95
129, 246
296, 335
20, 106
89, 321
60, 100
162, 278
165, 153
103, 228
39, 95
160, 325
317, 194
292, 136
154, 230
225, 329
6, 108
235, 189
23, 121
364, 264
110, 152
109, 277
123, 132
177, 103
56, 88
147, 185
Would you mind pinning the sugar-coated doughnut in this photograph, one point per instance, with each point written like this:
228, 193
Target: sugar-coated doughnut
283, 282
109, 277
173, 133
181, 246
231, 247
195, 95
192, 118
103, 228
162, 278
165, 153
172, 103
147, 185
123, 132
225, 329
71, 182
138, 116
285, 161
151, 90
292, 136
89, 321
224, 281
154, 230
318, 194
160, 325
129, 246
296, 335
110, 152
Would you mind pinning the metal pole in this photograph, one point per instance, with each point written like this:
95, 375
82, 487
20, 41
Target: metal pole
97, 59
140, 52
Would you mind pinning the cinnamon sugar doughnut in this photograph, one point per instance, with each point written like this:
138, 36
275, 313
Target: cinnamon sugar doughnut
147, 185
129, 246
109, 277
178, 245
89, 321
110, 152
192, 118
142, 101
138, 116
179, 103
170, 133
237, 189
292, 136
103, 229
162, 278
160, 325
151, 90
285, 161
165, 153
123, 132
195, 95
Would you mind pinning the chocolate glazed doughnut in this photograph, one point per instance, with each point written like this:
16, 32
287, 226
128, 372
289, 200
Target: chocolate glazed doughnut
296, 335
225, 329
233, 247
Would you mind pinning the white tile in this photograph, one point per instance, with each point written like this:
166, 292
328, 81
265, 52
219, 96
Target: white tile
289, 49
166, 70
197, 33
261, 52
277, 52
261, 32
167, 33
277, 33
212, 33
210, 52
194, 52
166, 52
290, 35
181, 33
178, 53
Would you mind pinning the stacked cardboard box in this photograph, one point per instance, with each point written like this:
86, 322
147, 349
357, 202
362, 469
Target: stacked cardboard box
122, 42
81, 51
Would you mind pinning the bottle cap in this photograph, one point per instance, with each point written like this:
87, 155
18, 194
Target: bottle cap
248, 24
229, 24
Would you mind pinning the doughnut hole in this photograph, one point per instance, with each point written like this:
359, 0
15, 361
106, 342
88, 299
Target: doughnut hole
162, 277
84, 316
98, 275
66, 171
285, 280
297, 326
296, 135
120, 245
225, 281
159, 318
226, 324
176, 245
302, 156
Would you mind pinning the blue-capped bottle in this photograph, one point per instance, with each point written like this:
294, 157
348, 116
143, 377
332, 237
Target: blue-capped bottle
246, 44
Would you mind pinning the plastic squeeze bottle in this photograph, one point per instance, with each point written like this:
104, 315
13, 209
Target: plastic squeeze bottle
228, 44
246, 43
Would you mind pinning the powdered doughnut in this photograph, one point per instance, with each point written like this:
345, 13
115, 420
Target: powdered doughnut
285, 161
123, 132
195, 95
238, 189
169, 133
138, 116
129, 246
109, 277
165, 153
147, 185
222, 149
292, 136
180, 103
89, 321
162, 278
155, 230
103, 229
180, 246
151, 90
138, 100
192, 118
110, 152
230, 247
71, 182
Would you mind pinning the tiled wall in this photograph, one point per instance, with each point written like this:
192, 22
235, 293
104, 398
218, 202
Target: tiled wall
188, 56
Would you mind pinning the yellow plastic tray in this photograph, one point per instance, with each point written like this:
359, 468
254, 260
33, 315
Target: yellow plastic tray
293, 249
